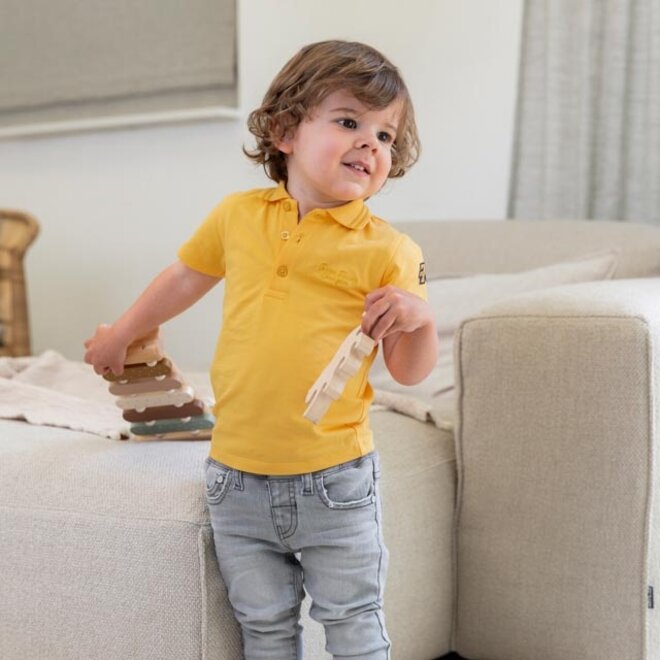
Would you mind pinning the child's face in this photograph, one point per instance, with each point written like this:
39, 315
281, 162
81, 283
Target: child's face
340, 153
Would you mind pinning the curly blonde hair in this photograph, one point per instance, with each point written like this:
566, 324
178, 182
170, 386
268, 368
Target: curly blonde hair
316, 71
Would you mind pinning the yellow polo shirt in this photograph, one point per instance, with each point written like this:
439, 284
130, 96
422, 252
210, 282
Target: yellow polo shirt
293, 291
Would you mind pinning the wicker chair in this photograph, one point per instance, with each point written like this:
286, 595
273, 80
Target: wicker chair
17, 231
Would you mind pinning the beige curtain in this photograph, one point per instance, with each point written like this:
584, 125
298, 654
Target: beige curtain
588, 126
63, 60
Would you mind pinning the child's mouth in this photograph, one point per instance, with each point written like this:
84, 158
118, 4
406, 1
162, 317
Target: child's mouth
359, 168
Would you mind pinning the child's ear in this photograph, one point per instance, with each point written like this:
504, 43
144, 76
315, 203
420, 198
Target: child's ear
283, 139
285, 144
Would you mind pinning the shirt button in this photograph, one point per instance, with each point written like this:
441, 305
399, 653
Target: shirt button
285, 235
287, 206
282, 271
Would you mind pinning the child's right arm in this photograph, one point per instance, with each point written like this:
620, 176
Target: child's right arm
170, 293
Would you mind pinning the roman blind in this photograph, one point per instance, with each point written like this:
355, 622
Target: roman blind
74, 60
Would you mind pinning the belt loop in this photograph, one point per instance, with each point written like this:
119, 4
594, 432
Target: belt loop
238, 480
307, 484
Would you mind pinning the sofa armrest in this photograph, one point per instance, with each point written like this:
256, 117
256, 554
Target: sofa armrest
555, 539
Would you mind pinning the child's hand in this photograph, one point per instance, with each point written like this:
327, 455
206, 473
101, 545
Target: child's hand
106, 351
389, 310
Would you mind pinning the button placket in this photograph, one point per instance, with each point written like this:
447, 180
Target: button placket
289, 250
282, 265
289, 253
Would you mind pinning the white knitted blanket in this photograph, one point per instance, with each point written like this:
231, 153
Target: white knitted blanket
50, 390
439, 412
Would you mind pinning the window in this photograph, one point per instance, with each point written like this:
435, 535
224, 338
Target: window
75, 64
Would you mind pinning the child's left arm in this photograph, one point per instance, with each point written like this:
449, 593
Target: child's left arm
406, 325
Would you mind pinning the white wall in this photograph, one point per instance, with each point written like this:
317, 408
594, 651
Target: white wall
115, 205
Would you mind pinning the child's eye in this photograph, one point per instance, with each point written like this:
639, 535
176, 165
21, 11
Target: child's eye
347, 123
385, 137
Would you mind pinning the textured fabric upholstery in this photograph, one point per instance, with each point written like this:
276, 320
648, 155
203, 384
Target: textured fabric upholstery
106, 551
555, 541
463, 247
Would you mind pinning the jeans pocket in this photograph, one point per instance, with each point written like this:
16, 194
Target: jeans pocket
218, 478
349, 487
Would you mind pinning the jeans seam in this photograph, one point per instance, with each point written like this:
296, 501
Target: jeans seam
293, 506
294, 641
282, 536
379, 595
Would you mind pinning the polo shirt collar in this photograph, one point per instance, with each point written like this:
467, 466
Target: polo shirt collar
352, 215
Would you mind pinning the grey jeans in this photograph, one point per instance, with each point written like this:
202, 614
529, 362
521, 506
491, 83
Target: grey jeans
321, 531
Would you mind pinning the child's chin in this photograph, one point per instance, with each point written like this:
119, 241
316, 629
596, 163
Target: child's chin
351, 194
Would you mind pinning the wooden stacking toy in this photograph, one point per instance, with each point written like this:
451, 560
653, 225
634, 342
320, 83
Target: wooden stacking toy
155, 398
330, 384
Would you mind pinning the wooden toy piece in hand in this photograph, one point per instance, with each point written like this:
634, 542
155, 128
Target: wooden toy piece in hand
330, 384
145, 350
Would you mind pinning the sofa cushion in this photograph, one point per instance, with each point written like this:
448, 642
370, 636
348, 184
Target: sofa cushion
458, 298
460, 247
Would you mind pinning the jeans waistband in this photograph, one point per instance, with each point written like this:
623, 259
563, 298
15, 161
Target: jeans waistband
312, 475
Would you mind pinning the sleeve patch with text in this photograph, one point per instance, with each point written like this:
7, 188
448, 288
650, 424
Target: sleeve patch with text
422, 273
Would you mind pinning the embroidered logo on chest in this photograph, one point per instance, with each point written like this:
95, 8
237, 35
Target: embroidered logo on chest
336, 276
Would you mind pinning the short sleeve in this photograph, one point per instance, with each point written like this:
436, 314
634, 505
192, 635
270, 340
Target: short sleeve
204, 251
407, 269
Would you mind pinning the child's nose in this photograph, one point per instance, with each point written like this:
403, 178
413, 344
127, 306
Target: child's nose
367, 141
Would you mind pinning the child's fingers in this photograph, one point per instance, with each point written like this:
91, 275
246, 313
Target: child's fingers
116, 369
374, 296
101, 355
104, 367
384, 325
372, 317
100, 330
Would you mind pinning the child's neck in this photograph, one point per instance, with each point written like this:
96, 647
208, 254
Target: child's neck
308, 203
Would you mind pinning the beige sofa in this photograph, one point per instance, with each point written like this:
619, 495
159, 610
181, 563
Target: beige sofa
538, 543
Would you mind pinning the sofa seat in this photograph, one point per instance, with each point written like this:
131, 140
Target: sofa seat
101, 538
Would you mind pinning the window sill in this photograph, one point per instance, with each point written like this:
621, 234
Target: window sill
121, 121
